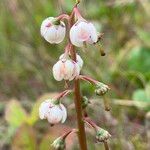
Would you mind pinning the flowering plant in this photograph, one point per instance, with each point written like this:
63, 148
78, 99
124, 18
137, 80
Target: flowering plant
68, 67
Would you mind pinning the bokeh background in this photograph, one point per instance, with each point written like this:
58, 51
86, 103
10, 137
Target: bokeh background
26, 79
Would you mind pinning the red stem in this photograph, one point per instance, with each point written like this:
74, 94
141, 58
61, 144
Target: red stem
62, 94
62, 16
77, 13
90, 122
89, 79
77, 95
66, 134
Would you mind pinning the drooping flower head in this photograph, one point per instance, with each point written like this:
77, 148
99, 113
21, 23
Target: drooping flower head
66, 68
53, 30
83, 32
52, 111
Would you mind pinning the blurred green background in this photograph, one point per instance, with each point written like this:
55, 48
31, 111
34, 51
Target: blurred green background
26, 79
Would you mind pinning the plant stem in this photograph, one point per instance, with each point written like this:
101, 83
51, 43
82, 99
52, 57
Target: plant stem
77, 100
78, 107
77, 97
106, 145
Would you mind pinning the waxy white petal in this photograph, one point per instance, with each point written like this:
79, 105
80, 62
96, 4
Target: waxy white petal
53, 33
58, 75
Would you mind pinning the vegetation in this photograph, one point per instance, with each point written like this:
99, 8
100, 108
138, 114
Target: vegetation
26, 62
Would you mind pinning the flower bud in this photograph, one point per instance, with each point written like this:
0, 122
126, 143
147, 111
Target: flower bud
102, 135
53, 30
66, 69
59, 144
52, 111
85, 102
101, 88
83, 32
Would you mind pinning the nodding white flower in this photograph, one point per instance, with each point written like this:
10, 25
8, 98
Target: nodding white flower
54, 113
79, 59
66, 69
83, 32
52, 30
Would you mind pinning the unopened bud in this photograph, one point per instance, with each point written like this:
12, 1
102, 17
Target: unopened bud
85, 102
102, 135
101, 89
59, 144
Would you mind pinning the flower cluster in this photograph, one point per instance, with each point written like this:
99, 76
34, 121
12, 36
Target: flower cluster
68, 68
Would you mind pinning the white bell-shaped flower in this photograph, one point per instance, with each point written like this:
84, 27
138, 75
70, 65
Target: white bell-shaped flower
54, 113
66, 69
78, 57
53, 31
83, 32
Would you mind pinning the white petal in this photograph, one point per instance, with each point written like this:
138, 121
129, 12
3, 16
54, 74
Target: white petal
83, 31
61, 31
74, 36
79, 61
51, 35
61, 56
44, 29
44, 107
54, 115
69, 68
58, 75
93, 32
64, 112
76, 71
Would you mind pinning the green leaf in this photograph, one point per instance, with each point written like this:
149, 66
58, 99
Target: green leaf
14, 113
138, 60
24, 139
144, 36
140, 95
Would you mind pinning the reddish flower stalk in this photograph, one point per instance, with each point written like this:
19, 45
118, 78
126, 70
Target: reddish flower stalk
62, 94
78, 15
91, 123
62, 16
89, 79
77, 96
